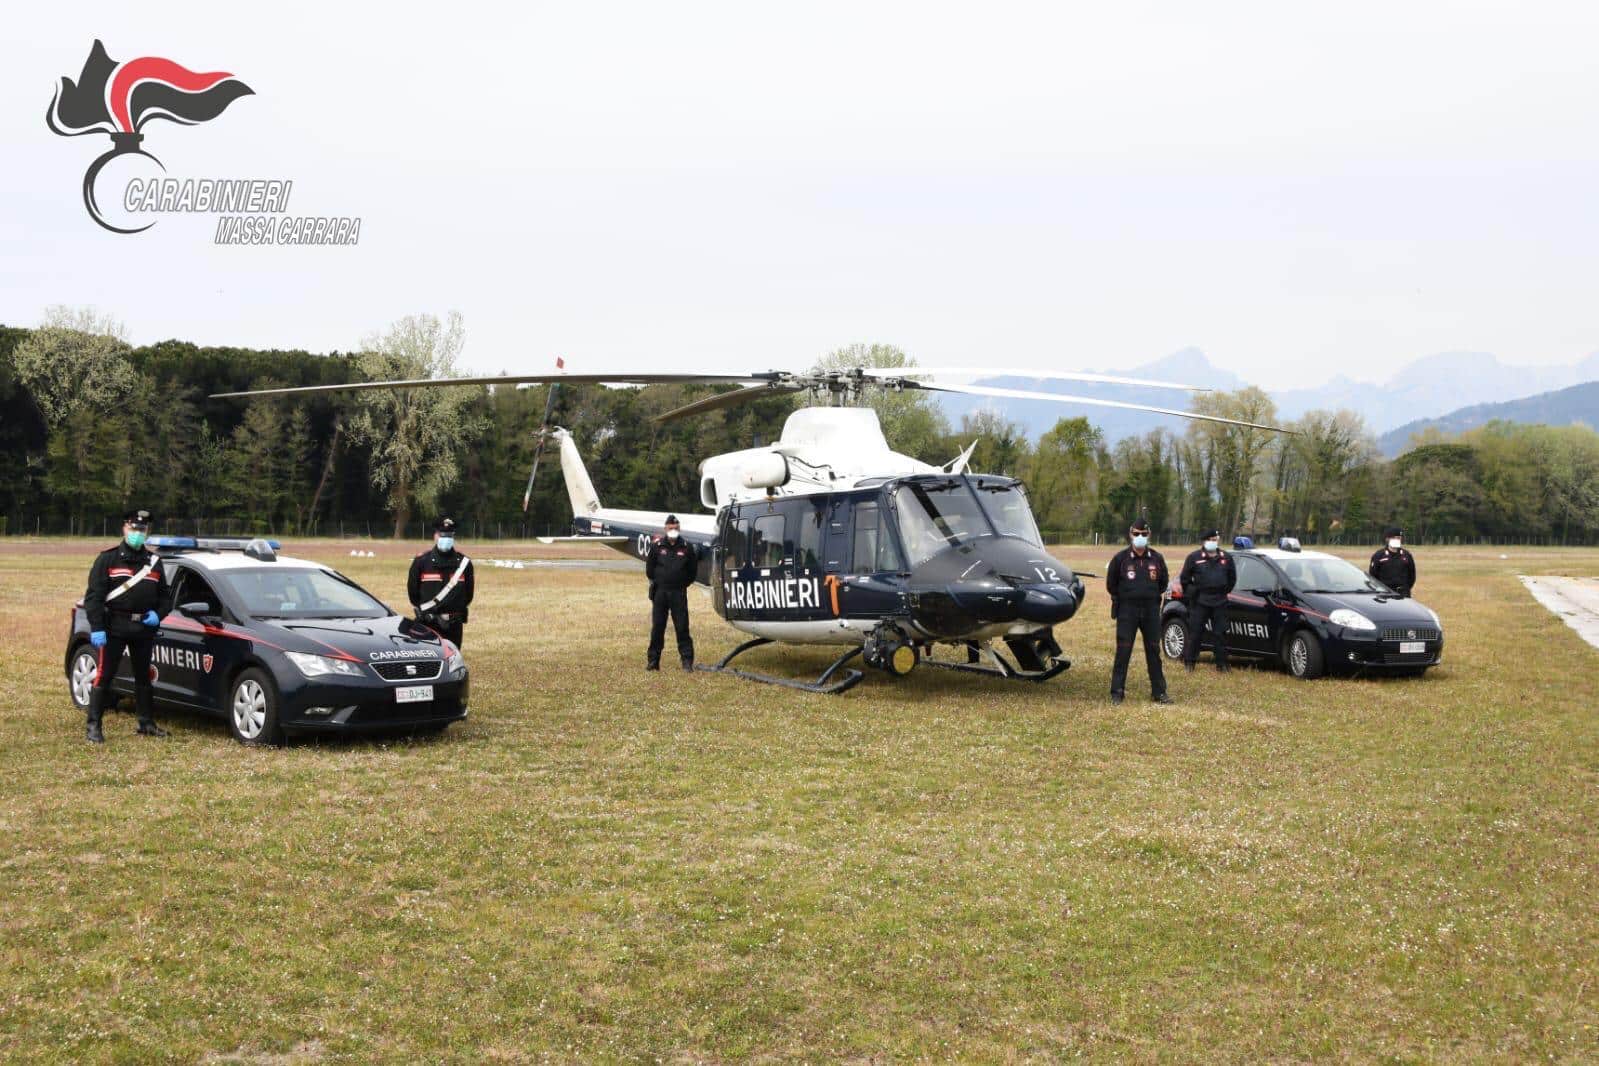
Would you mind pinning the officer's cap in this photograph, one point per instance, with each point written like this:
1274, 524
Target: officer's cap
1393, 531
1211, 534
1140, 526
139, 517
444, 525
671, 520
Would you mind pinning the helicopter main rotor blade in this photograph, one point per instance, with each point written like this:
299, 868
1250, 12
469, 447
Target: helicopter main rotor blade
685, 377
746, 394
891, 373
1057, 397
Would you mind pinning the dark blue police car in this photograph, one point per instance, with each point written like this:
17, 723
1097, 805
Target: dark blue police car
1315, 613
278, 646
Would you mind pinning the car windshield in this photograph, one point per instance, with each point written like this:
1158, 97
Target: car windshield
1007, 505
938, 515
1327, 575
300, 592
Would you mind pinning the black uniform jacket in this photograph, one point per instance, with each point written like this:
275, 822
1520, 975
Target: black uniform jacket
122, 616
1207, 578
671, 564
1395, 568
430, 572
1135, 577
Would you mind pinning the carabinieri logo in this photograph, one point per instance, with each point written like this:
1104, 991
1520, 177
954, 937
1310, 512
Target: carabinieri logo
117, 99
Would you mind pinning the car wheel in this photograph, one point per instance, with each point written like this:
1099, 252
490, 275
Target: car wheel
253, 709
1174, 637
85, 664
1303, 655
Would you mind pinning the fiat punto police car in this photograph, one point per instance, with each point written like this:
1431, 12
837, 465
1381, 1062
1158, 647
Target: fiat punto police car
277, 645
1314, 613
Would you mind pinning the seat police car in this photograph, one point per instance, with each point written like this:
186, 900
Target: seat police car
279, 646
1315, 613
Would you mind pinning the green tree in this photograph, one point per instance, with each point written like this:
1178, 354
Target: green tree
416, 435
77, 359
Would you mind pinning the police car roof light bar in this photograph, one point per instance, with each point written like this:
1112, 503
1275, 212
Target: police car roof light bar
1243, 543
235, 544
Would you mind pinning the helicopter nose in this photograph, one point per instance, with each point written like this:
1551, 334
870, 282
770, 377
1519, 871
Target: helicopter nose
1048, 604
989, 600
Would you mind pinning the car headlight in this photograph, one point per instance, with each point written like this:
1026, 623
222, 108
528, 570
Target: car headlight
1351, 619
455, 666
322, 665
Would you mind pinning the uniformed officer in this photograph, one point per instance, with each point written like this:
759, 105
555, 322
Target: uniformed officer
126, 588
671, 566
1136, 579
440, 585
1392, 564
1208, 575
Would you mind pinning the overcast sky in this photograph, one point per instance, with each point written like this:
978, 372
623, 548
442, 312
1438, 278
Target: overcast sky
1297, 189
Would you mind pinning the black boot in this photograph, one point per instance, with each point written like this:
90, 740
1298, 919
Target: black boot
93, 732
688, 664
1117, 697
652, 666
147, 727
1162, 698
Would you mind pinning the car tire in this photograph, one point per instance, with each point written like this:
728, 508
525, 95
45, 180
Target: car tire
252, 709
80, 675
1174, 637
1302, 655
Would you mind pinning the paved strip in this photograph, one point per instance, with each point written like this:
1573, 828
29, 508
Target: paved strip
565, 564
1574, 600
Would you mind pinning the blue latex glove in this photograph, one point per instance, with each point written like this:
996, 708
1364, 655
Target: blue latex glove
151, 618
97, 638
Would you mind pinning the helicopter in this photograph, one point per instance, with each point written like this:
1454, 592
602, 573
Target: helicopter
827, 536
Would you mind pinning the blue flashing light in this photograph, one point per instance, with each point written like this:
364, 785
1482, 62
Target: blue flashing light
214, 543
172, 542
1243, 543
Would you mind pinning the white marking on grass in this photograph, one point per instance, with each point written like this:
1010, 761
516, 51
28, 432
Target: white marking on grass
1574, 600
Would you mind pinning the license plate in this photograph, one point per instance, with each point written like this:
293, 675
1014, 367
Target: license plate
414, 694
1413, 647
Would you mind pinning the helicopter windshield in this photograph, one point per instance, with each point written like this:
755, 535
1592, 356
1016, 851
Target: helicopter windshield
938, 515
1012, 515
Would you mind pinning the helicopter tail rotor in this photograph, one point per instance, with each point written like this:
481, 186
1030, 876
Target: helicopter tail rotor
543, 435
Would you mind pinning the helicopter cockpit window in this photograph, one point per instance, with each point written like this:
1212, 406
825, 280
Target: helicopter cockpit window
936, 516
1007, 505
766, 541
873, 550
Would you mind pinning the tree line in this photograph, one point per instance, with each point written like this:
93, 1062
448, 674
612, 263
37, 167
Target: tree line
91, 425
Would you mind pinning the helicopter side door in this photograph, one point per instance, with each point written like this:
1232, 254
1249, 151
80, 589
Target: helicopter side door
764, 571
864, 561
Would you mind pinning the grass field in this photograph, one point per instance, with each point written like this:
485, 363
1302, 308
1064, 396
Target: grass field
606, 864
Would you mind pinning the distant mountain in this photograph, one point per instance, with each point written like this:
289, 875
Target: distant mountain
1562, 407
1434, 385
1429, 387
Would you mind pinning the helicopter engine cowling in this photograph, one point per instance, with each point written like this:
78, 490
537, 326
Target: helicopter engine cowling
767, 471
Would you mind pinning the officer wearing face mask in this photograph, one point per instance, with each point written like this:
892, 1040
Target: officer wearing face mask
1208, 575
1135, 581
671, 565
441, 585
1392, 564
126, 588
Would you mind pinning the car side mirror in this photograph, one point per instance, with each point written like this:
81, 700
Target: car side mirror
195, 609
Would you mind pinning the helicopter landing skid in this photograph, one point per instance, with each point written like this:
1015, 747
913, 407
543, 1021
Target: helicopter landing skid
844, 682
1000, 668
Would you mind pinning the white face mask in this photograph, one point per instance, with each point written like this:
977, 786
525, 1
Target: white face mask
1393, 544
1211, 545
1140, 541
671, 534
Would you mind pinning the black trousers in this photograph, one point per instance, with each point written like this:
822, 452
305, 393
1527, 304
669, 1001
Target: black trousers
675, 603
451, 631
110, 658
1197, 613
1131, 620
